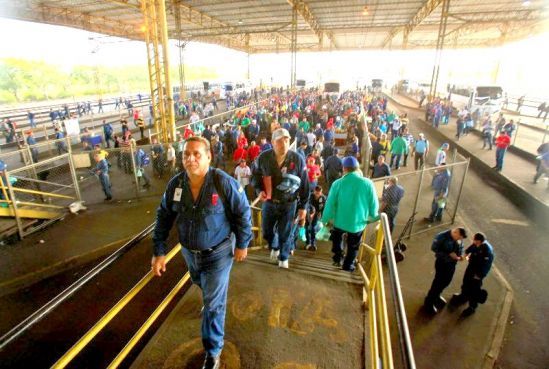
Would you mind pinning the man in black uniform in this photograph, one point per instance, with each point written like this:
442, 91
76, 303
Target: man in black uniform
481, 256
448, 249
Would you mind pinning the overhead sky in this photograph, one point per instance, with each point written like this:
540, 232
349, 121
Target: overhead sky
522, 65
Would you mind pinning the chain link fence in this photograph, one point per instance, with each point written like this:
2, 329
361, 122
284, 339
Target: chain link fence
421, 200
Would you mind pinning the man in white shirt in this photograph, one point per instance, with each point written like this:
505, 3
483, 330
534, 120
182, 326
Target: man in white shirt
242, 173
441, 154
311, 140
463, 113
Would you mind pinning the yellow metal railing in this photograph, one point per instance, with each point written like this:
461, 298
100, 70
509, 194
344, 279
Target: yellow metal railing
381, 352
94, 331
98, 327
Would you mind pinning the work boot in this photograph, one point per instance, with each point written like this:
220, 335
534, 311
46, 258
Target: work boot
212, 362
440, 302
457, 299
467, 312
430, 309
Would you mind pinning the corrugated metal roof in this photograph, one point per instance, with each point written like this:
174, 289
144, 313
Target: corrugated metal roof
322, 24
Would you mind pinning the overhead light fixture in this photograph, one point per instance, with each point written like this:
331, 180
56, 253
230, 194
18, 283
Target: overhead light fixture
526, 3
240, 21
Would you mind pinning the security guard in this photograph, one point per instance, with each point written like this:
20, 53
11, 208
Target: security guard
448, 249
283, 188
440, 185
212, 216
481, 256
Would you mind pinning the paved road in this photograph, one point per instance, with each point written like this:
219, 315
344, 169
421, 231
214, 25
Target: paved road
522, 257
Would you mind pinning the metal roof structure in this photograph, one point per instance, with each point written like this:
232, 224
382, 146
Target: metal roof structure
265, 26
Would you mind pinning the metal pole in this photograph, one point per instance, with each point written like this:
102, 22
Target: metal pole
74, 176
47, 137
14, 205
170, 119
461, 189
416, 201
134, 171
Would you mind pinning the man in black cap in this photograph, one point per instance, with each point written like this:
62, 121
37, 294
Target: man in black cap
448, 249
333, 167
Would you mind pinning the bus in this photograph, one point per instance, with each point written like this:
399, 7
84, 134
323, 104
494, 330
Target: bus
377, 84
235, 88
481, 99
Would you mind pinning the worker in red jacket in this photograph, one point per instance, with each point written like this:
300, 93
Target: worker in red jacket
253, 151
502, 143
240, 154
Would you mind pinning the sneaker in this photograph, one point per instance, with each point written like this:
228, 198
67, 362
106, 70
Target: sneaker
308, 247
313, 248
274, 254
283, 264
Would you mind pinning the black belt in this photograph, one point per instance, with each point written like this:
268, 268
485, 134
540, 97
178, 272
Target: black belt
275, 201
210, 250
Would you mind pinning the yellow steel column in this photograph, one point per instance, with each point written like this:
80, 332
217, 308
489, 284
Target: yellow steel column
152, 81
169, 119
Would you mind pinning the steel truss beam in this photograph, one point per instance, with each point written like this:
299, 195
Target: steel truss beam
416, 20
156, 38
39, 12
305, 12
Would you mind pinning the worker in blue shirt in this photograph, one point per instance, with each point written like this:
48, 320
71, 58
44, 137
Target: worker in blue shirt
108, 131
212, 216
440, 184
102, 172
448, 249
60, 143
390, 200
140, 163
333, 167
284, 188
34, 151
481, 256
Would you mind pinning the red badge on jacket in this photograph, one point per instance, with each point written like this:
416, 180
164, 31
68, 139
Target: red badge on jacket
292, 166
215, 197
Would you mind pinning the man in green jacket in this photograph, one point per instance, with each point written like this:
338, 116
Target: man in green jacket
352, 204
305, 125
399, 147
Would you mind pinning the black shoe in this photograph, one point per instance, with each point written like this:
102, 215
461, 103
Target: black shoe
457, 299
146, 185
108, 198
348, 269
428, 219
337, 264
467, 312
430, 309
212, 362
440, 302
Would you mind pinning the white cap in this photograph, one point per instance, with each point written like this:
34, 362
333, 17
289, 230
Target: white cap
279, 133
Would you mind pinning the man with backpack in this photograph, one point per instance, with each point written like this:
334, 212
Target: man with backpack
213, 220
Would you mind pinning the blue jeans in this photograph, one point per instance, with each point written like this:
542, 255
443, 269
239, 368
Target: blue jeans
211, 274
310, 231
500, 153
395, 158
106, 184
436, 211
279, 218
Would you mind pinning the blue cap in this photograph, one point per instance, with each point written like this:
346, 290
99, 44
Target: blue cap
446, 145
350, 162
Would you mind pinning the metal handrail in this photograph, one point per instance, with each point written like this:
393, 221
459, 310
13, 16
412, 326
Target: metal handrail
110, 315
406, 349
69, 291
381, 352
